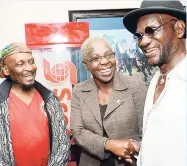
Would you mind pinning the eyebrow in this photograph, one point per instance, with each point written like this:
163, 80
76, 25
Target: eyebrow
24, 60
108, 51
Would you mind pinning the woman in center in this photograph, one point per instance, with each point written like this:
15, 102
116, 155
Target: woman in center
106, 110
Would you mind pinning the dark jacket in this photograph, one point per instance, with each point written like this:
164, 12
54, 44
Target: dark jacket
59, 140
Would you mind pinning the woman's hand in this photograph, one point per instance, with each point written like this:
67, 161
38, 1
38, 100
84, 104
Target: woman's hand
121, 148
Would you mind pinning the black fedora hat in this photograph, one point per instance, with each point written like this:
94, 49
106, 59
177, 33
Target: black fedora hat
171, 7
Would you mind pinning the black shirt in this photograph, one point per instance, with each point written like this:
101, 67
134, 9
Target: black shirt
111, 160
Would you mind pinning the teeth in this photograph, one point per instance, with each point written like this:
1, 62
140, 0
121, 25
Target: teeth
30, 75
105, 70
152, 49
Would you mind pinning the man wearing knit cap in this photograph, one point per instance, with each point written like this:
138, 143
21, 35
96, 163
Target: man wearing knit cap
32, 127
159, 28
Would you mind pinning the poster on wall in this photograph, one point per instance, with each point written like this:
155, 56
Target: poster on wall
52, 46
59, 66
109, 24
58, 73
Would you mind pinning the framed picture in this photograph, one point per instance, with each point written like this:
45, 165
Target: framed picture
109, 24
75, 15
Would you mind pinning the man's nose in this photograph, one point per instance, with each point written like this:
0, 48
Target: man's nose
144, 41
29, 66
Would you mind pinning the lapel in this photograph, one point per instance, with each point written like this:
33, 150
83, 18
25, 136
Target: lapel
5, 88
117, 98
118, 95
91, 99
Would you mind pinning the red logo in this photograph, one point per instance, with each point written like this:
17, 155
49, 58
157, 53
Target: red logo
60, 72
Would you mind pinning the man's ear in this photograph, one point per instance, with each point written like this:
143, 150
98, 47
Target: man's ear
5, 70
180, 28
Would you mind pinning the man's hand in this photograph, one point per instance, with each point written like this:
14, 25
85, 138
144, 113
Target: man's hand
121, 148
136, 145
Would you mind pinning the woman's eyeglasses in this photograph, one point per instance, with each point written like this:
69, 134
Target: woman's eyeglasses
98, 58
149, 31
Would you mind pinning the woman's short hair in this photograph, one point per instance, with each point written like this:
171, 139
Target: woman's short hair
87, 46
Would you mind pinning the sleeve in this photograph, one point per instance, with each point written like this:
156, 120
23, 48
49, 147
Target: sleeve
86, 139
60, 139
139, 96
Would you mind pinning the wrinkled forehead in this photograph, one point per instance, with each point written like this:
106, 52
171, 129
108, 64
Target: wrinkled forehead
18, 49
152, 19
23, 56
100, 43
100, 47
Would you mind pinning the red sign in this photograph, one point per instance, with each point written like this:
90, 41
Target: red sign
73, 33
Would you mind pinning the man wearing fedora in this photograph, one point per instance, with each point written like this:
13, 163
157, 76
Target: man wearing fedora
159, 28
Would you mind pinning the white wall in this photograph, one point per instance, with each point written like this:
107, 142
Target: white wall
14, 13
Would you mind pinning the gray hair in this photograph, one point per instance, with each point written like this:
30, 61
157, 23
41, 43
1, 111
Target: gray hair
87, 46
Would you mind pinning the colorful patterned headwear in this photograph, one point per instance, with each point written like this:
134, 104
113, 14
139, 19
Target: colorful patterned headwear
13, 48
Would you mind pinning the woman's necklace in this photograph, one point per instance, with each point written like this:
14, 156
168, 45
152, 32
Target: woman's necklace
161, 79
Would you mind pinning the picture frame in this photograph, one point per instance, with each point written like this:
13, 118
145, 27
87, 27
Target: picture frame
109, 24
75, 15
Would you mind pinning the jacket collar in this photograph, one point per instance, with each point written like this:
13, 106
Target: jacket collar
117, 97
118, 83
6, 85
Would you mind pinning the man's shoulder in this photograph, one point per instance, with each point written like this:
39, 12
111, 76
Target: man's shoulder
132, 81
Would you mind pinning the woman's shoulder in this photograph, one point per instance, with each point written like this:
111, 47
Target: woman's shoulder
85, 85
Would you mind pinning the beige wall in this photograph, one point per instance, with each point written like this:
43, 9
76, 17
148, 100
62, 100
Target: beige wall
14, 13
